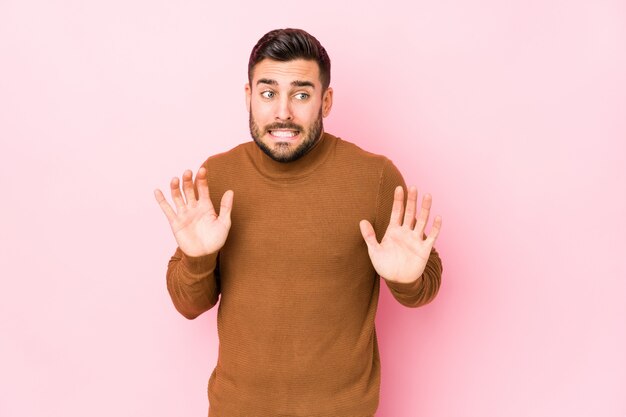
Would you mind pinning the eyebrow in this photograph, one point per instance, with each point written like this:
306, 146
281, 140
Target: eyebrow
296, 83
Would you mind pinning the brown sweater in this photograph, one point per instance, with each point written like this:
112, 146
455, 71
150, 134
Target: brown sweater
298, 293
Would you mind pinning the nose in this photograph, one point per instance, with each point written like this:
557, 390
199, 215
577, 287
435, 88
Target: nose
283, 110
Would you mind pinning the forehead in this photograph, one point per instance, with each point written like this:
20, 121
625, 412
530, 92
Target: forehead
284, 72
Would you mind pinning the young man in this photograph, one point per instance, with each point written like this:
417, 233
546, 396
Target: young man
293, 254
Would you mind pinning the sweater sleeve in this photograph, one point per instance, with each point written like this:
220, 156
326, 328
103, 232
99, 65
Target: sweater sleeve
424, 289
193, 283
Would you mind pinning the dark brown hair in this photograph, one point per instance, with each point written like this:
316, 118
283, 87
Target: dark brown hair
290, 44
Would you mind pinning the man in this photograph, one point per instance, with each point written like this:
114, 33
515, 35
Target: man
295, 259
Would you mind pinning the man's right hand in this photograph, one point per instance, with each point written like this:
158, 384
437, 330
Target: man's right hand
197, 228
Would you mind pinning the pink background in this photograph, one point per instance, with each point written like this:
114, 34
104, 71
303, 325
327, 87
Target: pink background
512, 114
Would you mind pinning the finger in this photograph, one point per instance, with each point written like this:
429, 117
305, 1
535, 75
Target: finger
190, 195
202, 185
434, 231
422, 218
411, 204
397, 208
165, 206
367, 231
226, 206
177, 197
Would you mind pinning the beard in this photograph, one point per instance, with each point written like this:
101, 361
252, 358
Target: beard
284, 151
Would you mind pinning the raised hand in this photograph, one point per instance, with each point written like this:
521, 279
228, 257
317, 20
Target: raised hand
197, 228
402, 254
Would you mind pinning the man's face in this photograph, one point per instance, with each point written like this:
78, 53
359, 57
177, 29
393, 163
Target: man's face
286, 106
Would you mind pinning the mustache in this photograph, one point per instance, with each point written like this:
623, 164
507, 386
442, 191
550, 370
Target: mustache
286, 125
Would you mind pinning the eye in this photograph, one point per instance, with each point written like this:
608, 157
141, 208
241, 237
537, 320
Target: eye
301, 96
267, 94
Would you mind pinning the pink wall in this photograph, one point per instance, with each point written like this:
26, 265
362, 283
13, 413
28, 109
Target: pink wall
512, 114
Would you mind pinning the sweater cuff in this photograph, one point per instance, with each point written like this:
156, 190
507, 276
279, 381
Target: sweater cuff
199, 265
406, 288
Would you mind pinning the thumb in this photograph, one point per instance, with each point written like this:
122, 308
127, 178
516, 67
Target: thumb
367, 231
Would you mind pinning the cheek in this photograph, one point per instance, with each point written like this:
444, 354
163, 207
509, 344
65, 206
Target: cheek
261, 111
309, 114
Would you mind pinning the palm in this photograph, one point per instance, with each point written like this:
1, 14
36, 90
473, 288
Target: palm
197, 228
402, 254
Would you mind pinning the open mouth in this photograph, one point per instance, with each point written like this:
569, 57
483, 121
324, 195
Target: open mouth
284, 133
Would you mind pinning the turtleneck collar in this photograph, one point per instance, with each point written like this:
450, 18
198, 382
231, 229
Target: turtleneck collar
299, 168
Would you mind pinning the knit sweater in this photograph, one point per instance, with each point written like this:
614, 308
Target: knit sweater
297, 290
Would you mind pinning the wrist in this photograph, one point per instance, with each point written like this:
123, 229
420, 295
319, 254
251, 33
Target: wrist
405, 285
198, 264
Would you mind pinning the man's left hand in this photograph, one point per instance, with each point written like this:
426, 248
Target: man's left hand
402, 254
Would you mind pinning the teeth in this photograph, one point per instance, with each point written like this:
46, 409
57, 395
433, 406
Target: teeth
284, 133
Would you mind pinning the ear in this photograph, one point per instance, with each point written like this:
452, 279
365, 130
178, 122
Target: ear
248, 95
327, 101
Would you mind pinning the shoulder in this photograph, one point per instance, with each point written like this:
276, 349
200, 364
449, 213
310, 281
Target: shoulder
223, 168
358, 158
229, 156
233, 160
350, 150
